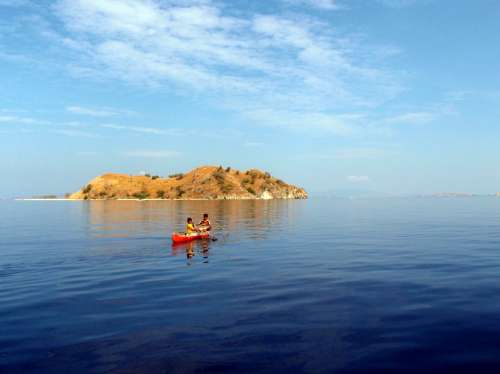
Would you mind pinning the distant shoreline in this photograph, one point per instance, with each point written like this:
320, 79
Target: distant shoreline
261, 199
147, 199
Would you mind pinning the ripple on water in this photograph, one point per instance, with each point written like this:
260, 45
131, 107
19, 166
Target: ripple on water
390, 285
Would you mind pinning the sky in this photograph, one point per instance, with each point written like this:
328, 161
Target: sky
390, 96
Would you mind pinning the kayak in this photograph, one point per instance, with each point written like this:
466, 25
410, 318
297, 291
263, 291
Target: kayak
178, 237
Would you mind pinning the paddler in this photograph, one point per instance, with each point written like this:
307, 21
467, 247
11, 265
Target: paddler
190, 229
205, 223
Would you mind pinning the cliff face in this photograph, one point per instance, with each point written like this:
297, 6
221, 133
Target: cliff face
207, 182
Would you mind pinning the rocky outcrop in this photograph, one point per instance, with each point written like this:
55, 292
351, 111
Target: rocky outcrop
207, 182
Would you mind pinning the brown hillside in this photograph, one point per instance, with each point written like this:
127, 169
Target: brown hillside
207, 182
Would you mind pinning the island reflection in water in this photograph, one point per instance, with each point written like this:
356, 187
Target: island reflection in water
129, 218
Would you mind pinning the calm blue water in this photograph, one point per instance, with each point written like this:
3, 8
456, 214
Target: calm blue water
387, 285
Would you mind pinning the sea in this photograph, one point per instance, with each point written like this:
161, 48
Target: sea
382, 285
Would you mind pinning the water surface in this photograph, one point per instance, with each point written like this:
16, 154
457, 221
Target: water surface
382, 285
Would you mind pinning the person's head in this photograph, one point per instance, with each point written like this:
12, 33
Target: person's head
205, 216
189, 220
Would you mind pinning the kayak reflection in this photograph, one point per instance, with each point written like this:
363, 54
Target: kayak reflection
199, 247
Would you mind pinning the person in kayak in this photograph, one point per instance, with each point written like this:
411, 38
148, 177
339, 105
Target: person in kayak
204, 224
190, 229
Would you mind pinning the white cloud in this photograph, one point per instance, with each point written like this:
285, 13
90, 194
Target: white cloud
247, 62
412, 118
83, 129
141, 129
342, 4
302, 121
153, 154
358, 178
97, 112
320, 4
399, 3
12, 119
463, 95
75, 133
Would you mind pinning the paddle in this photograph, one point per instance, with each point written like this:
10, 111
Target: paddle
213, 238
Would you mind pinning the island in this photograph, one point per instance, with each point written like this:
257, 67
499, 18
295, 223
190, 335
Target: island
202, 183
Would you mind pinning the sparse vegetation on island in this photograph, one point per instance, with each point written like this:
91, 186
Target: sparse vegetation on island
176, 176
208, 182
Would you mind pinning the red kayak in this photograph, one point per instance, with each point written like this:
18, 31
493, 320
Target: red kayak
178, 237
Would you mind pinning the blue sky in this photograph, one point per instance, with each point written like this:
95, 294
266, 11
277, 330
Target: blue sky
396, 96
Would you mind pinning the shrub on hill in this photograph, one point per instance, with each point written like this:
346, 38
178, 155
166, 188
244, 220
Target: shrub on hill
141, 195
176, 175
219, 176
179, 191
226, 188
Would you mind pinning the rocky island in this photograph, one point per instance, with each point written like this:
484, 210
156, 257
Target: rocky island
207, 182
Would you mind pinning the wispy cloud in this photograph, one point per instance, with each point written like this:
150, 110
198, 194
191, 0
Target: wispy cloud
141, 129
153, 154
287, 70
400, 3
343, 4
98, 112
250, 62
76, 133
174, 131
320, 4
303, 121
463, 95
91, 129
412, 118
11, 119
